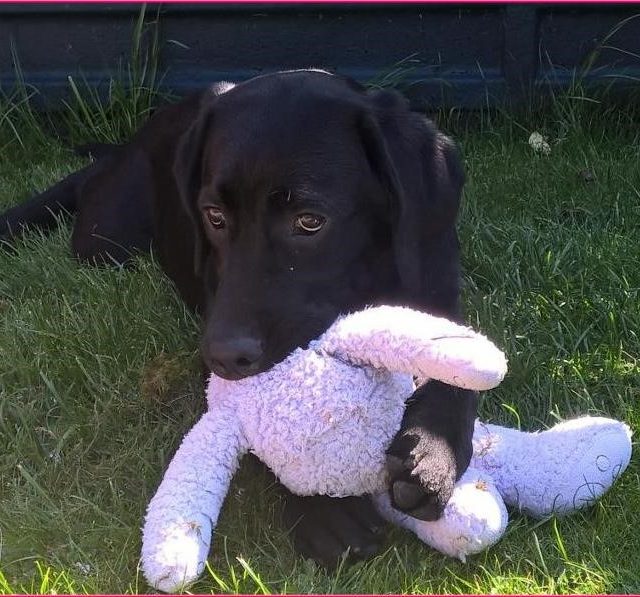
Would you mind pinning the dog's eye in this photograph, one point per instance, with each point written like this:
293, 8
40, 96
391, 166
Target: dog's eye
308, 223
215, 217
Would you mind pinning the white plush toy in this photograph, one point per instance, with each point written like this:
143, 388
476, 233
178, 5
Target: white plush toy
323, 418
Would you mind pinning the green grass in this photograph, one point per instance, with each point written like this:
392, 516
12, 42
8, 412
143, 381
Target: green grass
113, 114
99, 376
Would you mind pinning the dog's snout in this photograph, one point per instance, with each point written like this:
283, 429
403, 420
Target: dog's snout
234, 358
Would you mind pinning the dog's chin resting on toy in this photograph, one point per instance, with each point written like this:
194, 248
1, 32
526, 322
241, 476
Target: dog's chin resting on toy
323, 418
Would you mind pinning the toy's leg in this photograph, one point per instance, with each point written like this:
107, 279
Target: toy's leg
474, 518
557, 471
177, 529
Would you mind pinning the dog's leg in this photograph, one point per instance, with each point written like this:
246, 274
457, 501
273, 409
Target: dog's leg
114, 218
40, 211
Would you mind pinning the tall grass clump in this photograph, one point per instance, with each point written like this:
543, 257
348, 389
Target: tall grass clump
21, 126
113, 111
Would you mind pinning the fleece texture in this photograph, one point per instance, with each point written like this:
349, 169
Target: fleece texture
557, 471
323, 418
427, 347
185, 508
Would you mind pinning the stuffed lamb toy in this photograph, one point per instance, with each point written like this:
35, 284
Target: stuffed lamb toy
323, 418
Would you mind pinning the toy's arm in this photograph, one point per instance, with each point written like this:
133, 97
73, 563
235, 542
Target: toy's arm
404, 340
180, 516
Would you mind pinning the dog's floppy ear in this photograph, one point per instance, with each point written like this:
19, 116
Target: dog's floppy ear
422, 172
187, 167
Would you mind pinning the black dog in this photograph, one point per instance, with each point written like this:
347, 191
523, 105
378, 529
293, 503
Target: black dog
274, 205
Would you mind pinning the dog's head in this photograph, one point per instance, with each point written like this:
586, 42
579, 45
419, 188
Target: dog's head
310, 197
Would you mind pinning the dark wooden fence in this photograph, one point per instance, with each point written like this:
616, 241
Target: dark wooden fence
442, 55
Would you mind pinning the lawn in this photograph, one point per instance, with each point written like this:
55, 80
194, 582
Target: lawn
99, 376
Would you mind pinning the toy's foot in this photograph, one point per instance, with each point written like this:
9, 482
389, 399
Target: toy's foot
174, 555
325, 528
557, 471
474, 518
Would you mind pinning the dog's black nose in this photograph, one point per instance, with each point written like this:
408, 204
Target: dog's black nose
234, 358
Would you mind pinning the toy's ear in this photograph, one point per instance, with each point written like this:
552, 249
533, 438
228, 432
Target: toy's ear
188, 167
422, 172
403, 340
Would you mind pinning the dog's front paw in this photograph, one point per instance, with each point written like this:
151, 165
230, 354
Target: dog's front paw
327, 529
422, 473
432, 449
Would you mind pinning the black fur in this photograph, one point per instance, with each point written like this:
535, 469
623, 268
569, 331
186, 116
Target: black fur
260, 154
